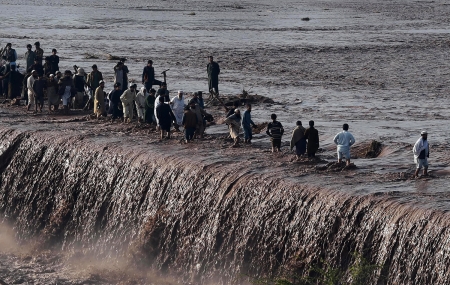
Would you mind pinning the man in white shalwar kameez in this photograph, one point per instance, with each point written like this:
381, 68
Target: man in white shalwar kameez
140, 103
177, 104
127, 99
421, 151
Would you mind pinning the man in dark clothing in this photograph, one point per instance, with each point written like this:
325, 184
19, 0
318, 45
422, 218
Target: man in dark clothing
2, 75
10, 54
165, 117
148, 76
93, 80
231, 111
114, 101
163, 92
213, 71
189, 123
39, 86
37, 66
54, 62
29, 56
79, 80
39, 52
14, 79
150, 107
275, 131
121, 75
312, 135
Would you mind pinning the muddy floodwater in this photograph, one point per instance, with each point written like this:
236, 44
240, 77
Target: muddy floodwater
380, 66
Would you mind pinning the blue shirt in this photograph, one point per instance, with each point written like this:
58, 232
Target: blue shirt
247, 119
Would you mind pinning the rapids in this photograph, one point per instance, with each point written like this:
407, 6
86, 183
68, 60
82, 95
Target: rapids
203, 219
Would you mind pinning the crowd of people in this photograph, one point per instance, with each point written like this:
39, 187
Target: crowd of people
125, 102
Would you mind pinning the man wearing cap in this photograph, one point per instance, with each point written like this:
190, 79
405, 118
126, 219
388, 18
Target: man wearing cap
93, 79
177, 104
11, 54
213, 71
121, 75
421, 151
29, 56
79, 81
127, 99
54, 61
99, 100
344, 140
31, 93
39, 52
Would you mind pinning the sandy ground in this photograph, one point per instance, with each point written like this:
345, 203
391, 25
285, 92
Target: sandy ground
381, 67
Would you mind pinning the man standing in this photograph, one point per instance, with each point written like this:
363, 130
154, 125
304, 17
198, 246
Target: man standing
165, 117
140, 103
121, 75
344, 140
247, 123
14, 81
421, 153
29, 56
148, 76
79, 81
189, 123
150, 107
127, 99
37, 66
298, 140
163, 92
114, 101
275, 132
200, 130
39, 86
10, 54
54, 61
66, 90
39, 53
93, 79
234, 123
99, 100
177, 104
213, 71
312, 135
31, 93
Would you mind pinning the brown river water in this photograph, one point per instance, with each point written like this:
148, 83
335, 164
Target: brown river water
89, 202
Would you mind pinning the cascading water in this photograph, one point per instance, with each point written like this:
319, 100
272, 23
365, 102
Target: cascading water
206, 219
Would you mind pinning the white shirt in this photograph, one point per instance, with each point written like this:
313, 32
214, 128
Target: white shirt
30, 82
420, 145
344, 139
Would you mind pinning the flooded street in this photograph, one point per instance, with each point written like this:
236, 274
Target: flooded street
382, 67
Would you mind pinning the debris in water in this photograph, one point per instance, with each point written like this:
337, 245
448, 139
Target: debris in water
306, 19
